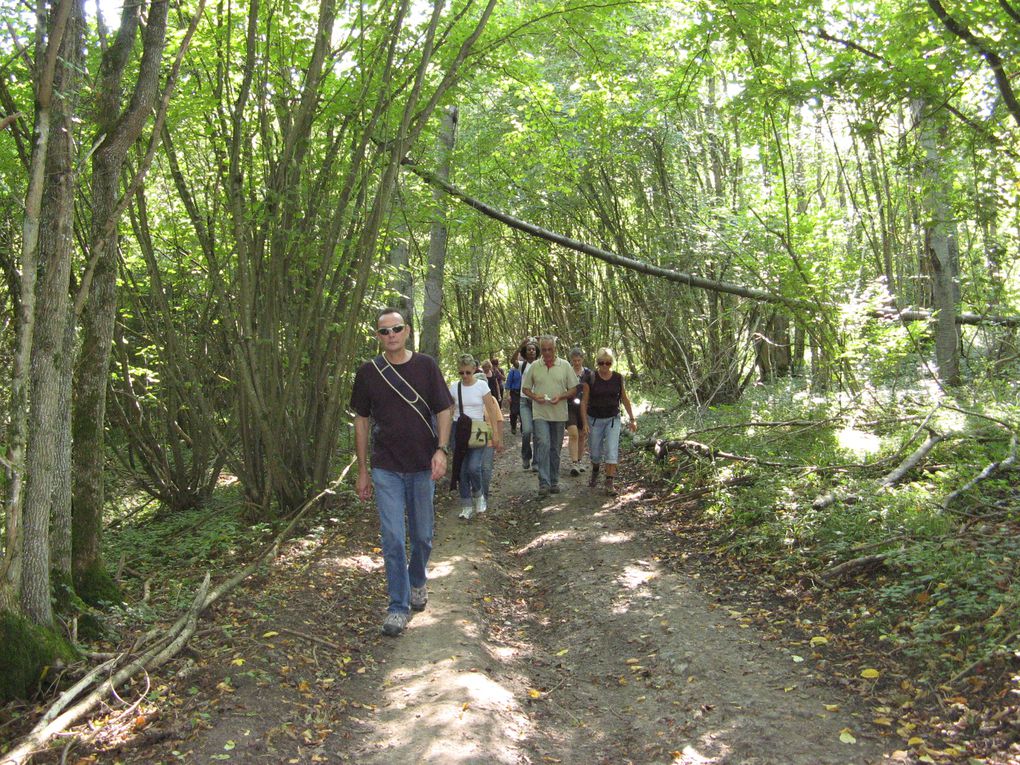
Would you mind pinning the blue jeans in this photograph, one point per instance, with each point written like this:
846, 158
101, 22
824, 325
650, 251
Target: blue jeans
527, 427
548, 441
487, 458
604, 439
400, 496
471, 474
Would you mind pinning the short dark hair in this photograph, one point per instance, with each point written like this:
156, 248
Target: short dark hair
388, 311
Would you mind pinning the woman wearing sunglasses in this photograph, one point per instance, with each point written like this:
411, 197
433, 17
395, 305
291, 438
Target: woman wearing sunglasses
472, 402
600, 407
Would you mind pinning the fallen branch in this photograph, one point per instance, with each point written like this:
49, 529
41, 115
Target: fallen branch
855, 566
740, 480
160, 645
827, 500
809, 306
984, 475
698, 449
897, 475
312, 638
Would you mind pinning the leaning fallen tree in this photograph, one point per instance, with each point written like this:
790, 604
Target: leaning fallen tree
691, 280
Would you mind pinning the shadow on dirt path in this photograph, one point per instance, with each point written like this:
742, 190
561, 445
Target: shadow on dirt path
553, 635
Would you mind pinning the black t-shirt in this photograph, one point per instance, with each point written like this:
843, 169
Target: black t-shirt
401, 441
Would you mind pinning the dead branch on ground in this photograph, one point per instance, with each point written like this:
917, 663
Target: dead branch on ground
855, 566
989, 471
151, 651
913, 460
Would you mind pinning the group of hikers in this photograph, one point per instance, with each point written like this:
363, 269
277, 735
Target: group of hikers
417, 425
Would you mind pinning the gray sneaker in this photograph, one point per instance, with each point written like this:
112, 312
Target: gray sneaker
394, 623
554, 489
419, 597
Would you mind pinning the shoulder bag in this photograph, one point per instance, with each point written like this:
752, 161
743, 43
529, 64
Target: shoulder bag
481, 431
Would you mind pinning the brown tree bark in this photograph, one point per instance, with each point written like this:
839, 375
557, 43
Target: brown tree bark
432, 311
118, 129
50, 34
49, 361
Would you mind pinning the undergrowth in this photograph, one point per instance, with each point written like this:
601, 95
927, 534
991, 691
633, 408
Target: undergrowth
936, 584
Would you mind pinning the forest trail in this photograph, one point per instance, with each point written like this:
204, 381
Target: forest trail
562, 600
552, 634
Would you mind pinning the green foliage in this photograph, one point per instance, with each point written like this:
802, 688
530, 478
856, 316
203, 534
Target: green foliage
27, 652
948, 590
213, 535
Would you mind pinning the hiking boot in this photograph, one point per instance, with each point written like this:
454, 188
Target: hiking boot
610, 487
543, 491
419, 597
554, 489
593, 481
574, 470
526, 465
394, 624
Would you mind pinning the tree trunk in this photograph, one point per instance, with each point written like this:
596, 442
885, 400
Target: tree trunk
56, 245
432, 311
402, 281
60, 512
117, 130
940, 247
17, 434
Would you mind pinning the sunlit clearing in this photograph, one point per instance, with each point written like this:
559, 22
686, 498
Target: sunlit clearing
689, 756
858, 442
360, 562
545, 539
505, 652
444, 567
617, 538
633, 577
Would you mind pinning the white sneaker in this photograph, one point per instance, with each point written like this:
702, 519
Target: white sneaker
466, 513
480, 504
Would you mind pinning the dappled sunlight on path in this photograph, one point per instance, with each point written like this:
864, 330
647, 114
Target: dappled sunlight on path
553, 634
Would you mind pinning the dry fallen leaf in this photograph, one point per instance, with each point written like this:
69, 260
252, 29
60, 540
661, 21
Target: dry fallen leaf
870, 674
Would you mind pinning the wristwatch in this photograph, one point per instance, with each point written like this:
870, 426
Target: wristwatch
445, 448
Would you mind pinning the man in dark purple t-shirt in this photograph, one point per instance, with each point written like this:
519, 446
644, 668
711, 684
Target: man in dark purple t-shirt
402, 401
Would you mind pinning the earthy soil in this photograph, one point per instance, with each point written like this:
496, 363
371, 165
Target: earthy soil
553, 634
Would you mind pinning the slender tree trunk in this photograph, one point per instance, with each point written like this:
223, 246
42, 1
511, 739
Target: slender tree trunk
117, 132
402, 283
52, 30
56, 245
60, 515
433, 309
940, 248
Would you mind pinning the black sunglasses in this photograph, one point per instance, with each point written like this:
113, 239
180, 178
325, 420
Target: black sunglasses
396, 330
604, 363
462, 372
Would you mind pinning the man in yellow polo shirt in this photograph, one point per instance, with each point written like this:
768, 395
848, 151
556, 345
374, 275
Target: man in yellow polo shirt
549, 383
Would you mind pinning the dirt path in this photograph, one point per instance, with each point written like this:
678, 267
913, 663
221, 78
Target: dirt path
552, 634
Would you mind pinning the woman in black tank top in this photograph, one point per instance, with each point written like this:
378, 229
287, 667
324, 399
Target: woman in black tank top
601, 410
